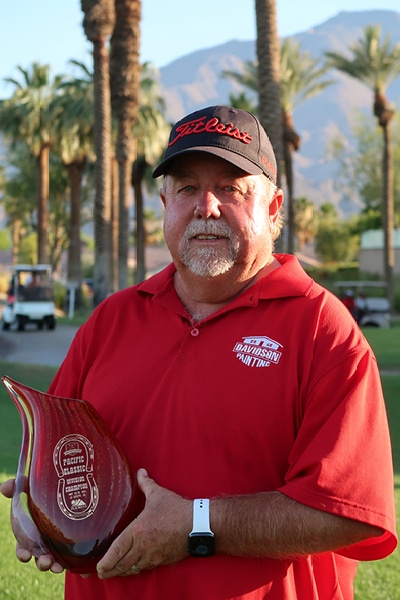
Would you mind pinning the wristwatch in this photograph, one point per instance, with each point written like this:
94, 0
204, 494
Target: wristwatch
201, 541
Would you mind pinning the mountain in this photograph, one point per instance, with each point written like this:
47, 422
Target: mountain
194, 81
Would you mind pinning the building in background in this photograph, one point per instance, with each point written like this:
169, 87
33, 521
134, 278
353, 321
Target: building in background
371, 252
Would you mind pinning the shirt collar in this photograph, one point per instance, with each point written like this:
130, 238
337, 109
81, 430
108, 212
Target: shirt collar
289, 280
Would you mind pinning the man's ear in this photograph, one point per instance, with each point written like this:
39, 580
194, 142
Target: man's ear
162, 196
275, 206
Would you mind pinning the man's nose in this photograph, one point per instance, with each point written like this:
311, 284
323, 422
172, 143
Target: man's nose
208, 205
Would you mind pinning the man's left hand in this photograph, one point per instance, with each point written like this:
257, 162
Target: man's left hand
158, 536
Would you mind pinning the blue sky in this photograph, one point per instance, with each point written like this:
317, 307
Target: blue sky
50, 31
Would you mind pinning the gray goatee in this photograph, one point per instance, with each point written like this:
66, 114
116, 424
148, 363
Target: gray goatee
209, 261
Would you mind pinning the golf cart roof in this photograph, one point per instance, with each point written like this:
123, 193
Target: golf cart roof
30, 268
360, 284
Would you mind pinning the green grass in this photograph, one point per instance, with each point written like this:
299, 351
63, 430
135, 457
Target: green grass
10, 423
80, 316
377, 580
380, 580
386, 345
18, 581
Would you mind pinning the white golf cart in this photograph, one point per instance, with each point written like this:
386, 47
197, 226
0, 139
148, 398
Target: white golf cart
371, 307
30, 298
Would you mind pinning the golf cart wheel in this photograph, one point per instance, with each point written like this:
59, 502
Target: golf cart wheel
51, 322
5, 326
21, 323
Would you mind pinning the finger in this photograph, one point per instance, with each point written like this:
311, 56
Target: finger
7, 488
117, 559
23, 554
57, 568
45, 562
133, 570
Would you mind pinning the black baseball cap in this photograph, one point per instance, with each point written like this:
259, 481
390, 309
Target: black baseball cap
230, 133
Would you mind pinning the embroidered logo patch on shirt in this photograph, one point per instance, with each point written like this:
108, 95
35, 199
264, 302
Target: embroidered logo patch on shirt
258, 351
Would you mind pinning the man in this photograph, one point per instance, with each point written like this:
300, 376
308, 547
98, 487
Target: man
244, 394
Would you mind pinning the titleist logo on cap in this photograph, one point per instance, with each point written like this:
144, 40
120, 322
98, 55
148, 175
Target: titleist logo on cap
213, 125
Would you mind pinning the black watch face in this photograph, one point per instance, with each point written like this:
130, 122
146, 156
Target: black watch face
201, 545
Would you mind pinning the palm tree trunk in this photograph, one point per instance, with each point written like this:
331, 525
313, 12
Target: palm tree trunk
388, 214
138, 175
269, 91
42, 163
269, 88
114, 273
125, 81
74, 266
102, 135
287, 152
124, 150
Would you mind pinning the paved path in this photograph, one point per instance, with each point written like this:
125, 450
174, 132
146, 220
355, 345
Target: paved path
36, 347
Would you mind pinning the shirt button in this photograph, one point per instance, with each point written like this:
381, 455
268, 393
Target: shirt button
194, 332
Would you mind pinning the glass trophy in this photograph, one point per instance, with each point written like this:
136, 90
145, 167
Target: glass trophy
74, 490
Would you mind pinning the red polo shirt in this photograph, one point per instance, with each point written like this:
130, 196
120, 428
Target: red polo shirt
278, 390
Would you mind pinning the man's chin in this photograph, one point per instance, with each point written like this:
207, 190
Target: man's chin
209, 271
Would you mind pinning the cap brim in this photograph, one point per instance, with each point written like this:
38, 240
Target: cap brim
235, 159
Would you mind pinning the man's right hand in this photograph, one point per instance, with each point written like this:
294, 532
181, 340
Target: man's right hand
45, 562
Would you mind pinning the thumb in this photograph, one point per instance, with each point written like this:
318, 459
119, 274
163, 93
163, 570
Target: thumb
7, 488
146, 484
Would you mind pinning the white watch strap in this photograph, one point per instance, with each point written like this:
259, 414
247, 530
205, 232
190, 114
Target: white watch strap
201, 516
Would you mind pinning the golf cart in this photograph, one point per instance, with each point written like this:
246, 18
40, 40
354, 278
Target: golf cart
29, 298
367, 302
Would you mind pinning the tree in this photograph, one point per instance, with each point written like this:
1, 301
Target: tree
151, 131
74, 117
305, 221
377, 64
26, 117
20, 202
125, 81
269, 87
243, 102
334, 240
248, 78
300, 80
19, 199
358, 170
98, 23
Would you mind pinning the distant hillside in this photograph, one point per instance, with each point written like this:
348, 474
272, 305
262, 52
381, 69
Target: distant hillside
195, 80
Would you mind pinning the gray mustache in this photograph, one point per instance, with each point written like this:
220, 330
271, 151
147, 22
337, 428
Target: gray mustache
208, 227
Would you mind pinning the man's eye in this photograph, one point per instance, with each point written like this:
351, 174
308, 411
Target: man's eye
233, 190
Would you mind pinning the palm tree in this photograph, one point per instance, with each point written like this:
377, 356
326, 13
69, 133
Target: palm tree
151, 131
73, 110
305, 222
300, 80
98, 23
376, 64
25, 117
125, 81
19, 195
269, 87
20, 203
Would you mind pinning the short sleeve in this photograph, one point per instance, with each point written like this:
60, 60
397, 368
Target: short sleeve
341, 461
